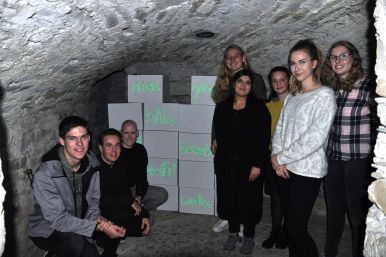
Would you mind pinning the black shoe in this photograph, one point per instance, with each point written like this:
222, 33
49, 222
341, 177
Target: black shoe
282, 241
269, 242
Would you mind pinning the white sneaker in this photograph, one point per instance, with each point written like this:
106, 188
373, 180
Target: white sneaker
241, 233
220, 226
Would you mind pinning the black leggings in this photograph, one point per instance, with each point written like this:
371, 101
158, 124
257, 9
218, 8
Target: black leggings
298, 195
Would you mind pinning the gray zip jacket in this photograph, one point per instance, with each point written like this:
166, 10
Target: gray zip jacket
54, 204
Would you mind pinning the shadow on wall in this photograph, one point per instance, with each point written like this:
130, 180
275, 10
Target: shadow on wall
371, 39
9, 210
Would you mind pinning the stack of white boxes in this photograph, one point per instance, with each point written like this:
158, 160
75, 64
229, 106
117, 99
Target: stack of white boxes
177, 139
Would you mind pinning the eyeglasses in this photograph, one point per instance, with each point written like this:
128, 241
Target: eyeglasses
341, 57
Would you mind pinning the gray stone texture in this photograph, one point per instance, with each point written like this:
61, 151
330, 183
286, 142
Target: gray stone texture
56, 57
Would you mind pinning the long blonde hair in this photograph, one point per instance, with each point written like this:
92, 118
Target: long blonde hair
310, 48
221, 89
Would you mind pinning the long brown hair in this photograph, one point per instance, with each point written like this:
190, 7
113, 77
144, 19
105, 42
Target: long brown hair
356, 71
224, 75
314, 53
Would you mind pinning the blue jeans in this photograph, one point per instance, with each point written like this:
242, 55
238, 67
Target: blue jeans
345, 189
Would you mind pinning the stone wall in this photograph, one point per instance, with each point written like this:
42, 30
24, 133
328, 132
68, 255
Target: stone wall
375, 242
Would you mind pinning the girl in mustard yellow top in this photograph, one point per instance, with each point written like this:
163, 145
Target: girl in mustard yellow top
278, 81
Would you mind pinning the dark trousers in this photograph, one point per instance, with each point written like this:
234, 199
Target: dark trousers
346, 191
65, 244
120, 217
298, 195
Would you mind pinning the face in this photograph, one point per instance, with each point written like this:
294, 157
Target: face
234, 59
302, 66
341, 61
76, 143
111, 148
243, 86
129, 135
279, 82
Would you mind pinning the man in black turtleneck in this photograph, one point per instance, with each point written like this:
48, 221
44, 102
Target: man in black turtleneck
117, 202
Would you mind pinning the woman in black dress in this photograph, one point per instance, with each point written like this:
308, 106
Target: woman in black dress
242, 126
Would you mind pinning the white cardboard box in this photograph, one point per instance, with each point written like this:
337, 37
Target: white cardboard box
145, 88
196, 174
196, 200
172, 203
118, 113
196, 118
161, 144
201, 89
195, 147
162, 171
160, 116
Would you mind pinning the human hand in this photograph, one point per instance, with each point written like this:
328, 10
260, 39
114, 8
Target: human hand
114, 231
145, 227
282, 171
103, 224
137, 208
213, 146
255, 172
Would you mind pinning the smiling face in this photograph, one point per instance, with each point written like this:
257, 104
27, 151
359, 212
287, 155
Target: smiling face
279, 82
302, 66
243, 86
233, 59
129, 135
75, 143
341, 61
110, 149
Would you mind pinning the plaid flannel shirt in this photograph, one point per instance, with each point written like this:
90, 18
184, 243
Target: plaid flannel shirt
350, 135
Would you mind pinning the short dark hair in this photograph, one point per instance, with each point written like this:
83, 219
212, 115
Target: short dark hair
108, 132
71, 122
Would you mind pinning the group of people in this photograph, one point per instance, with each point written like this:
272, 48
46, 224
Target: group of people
317, 126
80, 197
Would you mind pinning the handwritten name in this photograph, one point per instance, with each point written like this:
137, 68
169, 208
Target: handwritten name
159, 117
145, 87
195, 150
198, 90
165, 169
198, 200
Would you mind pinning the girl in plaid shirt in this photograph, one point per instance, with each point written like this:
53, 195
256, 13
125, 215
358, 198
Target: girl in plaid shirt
349, 147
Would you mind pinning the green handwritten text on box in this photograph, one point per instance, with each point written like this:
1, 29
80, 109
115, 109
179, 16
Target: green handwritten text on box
198, 201
145, 87
165, 169
195, 150
159, 117
198, 90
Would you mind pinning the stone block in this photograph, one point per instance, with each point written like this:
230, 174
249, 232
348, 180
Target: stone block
196, 174
162, 171
196, 200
